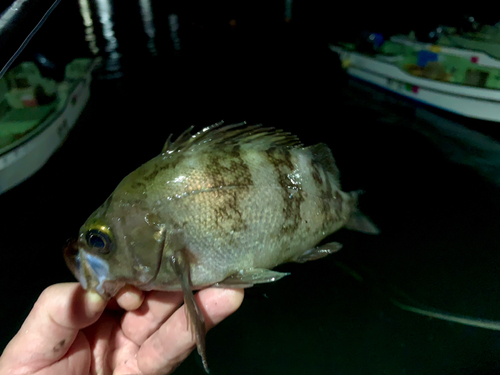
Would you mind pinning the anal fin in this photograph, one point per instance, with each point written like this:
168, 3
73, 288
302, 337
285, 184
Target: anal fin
248, 278
318, 252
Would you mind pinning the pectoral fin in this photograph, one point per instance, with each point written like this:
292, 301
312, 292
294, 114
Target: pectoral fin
248, 278
318, 252
195, 318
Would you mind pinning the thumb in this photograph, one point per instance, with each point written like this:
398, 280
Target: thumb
52, 326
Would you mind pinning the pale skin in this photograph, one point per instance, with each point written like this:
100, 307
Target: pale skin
71, 331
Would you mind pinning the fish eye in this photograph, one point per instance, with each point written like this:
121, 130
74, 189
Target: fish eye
98, 240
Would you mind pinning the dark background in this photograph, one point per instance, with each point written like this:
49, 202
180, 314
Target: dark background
430, 180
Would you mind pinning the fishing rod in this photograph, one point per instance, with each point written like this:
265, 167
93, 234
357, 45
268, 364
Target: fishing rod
12, 19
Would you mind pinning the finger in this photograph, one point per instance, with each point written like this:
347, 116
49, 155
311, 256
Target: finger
138, 325
52, 326
129, 297
113, 305
172, 343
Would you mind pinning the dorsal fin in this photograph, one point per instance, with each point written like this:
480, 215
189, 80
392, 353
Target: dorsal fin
323, 156
235, 134
184, 137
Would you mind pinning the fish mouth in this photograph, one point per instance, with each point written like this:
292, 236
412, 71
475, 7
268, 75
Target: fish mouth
91, 271
71, 257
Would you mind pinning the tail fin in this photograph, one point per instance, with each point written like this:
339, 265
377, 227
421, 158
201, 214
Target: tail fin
322, 155
358, 221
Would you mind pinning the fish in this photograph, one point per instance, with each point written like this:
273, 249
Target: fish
218, 208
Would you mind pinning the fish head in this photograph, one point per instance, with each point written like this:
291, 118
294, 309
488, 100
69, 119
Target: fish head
120, 243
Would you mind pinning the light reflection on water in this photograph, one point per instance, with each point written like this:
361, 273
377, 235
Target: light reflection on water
101, 13
111, 29
89, 26
460, 144
149, 26
173, 23
112, 60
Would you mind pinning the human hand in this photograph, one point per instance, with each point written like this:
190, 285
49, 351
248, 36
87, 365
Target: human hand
69, 331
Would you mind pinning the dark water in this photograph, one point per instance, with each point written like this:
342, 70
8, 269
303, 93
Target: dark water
430, 180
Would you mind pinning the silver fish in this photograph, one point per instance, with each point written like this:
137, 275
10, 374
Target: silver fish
220, 208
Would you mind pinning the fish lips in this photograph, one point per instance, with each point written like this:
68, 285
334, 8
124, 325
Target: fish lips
91, 271
70, 253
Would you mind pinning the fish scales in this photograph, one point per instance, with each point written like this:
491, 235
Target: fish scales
217, 198
222, 207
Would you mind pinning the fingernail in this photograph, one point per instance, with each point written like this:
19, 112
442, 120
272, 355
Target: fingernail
94, 301
130, 298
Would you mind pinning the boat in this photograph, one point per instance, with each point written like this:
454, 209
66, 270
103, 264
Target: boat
461, 81
486, 39
36, 115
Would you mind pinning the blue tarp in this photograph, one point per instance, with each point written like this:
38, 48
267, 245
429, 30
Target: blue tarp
423, 57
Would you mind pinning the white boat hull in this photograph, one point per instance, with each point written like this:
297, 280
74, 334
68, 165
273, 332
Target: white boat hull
26, 159
467, 101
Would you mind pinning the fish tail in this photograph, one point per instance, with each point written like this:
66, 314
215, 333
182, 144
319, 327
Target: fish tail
358, 221
361, 223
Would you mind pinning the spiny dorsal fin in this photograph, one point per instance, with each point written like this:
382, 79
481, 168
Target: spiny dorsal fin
323, 156
184, 137
235, 134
